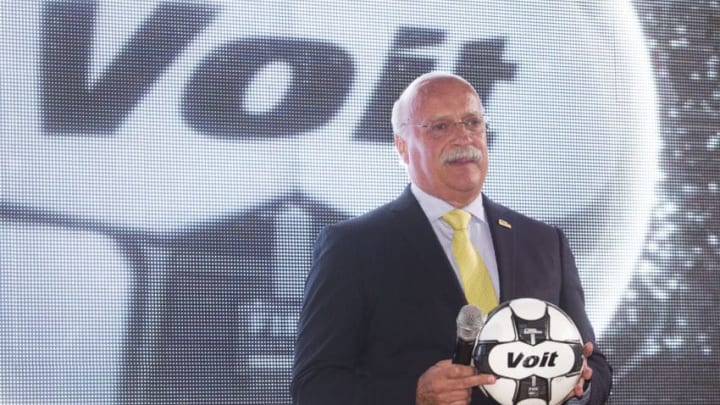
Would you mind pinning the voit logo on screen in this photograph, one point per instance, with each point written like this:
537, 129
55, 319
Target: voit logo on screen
155, 116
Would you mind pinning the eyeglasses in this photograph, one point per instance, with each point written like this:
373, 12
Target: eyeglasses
439, 129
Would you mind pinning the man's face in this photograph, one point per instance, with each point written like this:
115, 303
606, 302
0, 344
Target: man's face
429, 159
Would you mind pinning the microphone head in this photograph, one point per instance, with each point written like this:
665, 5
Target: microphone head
469, 322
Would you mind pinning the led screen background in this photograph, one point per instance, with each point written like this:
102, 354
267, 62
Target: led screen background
166, 167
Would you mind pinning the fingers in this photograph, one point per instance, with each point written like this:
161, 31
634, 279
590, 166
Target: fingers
578, 390
447, 383
462, 375
479, 379
586, 373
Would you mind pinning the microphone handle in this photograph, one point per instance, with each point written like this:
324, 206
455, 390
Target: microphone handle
463, 352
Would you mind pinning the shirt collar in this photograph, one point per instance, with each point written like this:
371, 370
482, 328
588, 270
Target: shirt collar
435, 208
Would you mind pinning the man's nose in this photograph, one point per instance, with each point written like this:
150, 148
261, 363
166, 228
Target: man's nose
460, 131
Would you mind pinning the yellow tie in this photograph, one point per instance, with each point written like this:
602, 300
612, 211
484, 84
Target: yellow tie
476, 281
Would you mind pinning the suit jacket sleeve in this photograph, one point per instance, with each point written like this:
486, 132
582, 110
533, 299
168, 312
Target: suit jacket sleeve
332, 325
325, 356
572, 301
363, 336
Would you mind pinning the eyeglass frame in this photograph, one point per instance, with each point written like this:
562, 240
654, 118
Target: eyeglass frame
484, 127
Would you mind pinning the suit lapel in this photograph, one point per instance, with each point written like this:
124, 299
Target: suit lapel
501, 224
420, 239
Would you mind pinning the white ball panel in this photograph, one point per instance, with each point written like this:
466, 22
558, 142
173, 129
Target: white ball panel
532, 401
528, 308
499, 327
561, 327
561, 386
502, 391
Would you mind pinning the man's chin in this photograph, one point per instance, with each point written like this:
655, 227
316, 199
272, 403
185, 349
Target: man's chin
464, 193
465, 178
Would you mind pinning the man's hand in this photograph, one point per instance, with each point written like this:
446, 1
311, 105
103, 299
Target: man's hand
447, 383
585, 375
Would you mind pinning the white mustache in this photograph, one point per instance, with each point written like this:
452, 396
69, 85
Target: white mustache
464, 153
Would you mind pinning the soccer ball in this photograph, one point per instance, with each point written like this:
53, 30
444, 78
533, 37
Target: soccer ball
533, 348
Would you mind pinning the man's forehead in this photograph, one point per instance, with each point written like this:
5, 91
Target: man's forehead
435, 87
446, 97
441, 84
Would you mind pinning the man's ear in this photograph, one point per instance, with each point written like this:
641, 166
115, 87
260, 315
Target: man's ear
401, 147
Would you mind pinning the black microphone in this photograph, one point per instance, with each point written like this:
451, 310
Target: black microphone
469, 323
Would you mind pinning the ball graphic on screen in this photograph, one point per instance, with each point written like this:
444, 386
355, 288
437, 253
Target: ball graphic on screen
568, 87
533, 348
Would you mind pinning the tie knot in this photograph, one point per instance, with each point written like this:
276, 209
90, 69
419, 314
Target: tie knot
458, 219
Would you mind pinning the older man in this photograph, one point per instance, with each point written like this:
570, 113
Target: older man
378, 319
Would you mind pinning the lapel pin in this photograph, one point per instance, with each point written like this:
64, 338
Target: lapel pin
504, 223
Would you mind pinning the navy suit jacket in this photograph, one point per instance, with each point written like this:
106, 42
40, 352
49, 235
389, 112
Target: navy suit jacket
381, 301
